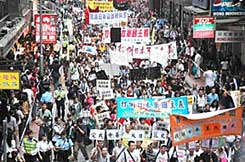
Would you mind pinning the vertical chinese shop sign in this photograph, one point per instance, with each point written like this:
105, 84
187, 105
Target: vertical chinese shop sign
49, 24
203, 27
9, 80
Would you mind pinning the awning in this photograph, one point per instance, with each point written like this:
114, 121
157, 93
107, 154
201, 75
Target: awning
195, 10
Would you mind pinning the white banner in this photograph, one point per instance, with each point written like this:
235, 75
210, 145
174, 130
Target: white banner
106, 94
136, 135
97, 134
108, 17
154, 53
103, 84
129, 35
120, 58
111, 69
113, 134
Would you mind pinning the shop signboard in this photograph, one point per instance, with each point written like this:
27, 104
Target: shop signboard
49, 22
223, 36
228, 8
203, 27
10, 80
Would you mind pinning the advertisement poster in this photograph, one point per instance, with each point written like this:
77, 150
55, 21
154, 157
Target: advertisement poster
152, 107
228, 8
10, 80
49, 24
203, 27
194, 127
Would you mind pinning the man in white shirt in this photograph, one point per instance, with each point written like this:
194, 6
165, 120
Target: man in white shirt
130, 155
118, 150
162, 155
209, 78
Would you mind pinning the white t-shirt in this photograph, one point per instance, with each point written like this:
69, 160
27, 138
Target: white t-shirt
44, 146
126, 156
209, 78
162, 157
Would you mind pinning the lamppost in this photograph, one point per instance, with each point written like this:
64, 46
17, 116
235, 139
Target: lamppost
41, 40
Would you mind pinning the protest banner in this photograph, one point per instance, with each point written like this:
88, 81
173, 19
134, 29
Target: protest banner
106, 94
100, 117
206, 143
113, 134
101, 5
151, 107
9, 80
97, 134
103, 84
129, 35
154, 53
108, 17
164, 125
89, 50
187, 128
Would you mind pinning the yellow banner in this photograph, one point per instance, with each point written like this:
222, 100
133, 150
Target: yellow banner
103, 6
10, 80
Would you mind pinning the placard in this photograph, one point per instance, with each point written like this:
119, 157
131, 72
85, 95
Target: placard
97, 134
113, 134
107, 94
146, 129
103, 105
9, 80
194, 127
101, 5
103, 84
100, 117
136, 135
159, 135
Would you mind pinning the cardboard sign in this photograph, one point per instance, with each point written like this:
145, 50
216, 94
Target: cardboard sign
146, 129
159, 135
103, 106
137, 135
97, 134
100, 117
113, 134
103, 84
106, 94
206, 125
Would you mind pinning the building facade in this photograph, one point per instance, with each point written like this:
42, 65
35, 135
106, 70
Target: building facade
15, 18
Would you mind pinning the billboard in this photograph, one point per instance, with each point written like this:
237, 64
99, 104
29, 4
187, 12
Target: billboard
228, 8
203, 27
10, 80
49, 24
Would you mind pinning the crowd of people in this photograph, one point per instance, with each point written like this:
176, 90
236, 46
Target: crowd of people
62, 101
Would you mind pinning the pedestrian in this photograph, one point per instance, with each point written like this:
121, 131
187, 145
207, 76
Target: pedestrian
45, 148
30, 147
60, 96
130, 154
64, 148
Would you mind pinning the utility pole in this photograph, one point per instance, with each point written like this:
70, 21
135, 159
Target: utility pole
5, 134
41, 39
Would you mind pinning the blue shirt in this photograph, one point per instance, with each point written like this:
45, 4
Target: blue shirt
47, 97
212, 97
64, 143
